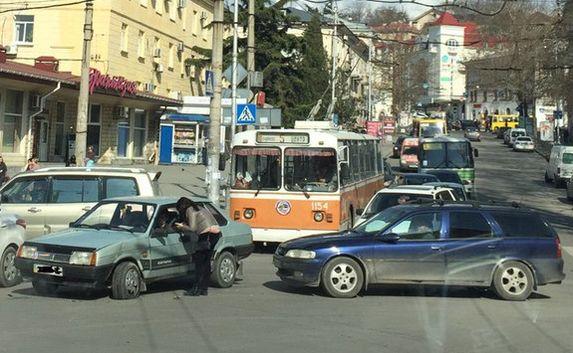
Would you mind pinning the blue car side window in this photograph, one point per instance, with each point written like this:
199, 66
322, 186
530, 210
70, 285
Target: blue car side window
425, 226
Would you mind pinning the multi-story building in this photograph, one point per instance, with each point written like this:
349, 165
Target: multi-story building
150, 45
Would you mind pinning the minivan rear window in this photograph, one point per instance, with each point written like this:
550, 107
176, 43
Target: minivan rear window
567, 158
522, 225
120, 187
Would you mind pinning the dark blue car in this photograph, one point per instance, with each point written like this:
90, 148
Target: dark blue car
510, 249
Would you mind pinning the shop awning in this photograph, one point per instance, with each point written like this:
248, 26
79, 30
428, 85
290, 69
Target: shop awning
188, 117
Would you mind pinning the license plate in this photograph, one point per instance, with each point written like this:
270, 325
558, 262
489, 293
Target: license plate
49, 270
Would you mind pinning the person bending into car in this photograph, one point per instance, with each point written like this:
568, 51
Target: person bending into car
200, 221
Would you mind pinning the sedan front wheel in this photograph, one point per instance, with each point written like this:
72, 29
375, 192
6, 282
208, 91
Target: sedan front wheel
342, 277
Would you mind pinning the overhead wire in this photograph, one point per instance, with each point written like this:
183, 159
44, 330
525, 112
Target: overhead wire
45, 6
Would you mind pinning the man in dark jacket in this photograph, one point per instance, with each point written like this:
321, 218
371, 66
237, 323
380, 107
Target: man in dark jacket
3, 171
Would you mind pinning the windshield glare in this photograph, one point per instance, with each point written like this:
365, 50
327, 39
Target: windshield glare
311, 169
130, 216
257, 168
382, 220
447, 155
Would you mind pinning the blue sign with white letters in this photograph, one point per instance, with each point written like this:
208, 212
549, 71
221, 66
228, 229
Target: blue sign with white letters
246, 114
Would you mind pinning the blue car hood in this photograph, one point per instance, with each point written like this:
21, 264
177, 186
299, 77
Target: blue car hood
85, 238
322, 240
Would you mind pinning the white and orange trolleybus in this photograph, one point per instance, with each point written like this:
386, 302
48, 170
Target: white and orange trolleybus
295, 182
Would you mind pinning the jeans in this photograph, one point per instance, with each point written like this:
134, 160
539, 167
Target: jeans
203, 259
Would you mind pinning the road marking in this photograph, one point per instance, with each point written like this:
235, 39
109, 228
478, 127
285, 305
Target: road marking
569, 249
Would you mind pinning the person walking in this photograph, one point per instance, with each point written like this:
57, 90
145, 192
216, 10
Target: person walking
3, 171
90, 157
200, 221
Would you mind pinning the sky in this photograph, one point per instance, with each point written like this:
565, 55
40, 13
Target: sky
411, 9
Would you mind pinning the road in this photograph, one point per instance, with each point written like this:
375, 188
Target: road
260, 314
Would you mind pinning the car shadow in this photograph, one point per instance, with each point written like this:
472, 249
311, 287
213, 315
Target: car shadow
66, 293
564, 200
280, 286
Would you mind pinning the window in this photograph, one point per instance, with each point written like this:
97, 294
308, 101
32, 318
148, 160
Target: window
128, 215
74, 190
12, 121
221, 220
383, 201
445, 195
452, 43
139, 132
257, 168
120, 187
311, 169
26, 190
24, 29
379, 222
171, 59
425, 226
465, 224
94, 127
141, 45
122, 137
567, 158
124, 38
485, 96
171, 9
196, 23
60, 142
522, 225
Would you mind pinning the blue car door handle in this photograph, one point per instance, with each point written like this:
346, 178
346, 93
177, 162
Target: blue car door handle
492, 246
435, 247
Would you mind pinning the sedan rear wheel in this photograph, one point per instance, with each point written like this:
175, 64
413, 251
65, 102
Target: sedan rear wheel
342, 277
513, 281
9, 274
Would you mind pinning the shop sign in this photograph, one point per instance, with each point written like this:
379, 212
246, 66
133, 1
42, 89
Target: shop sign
107, 82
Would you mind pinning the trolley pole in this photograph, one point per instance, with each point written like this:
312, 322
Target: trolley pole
214, 146
83, 99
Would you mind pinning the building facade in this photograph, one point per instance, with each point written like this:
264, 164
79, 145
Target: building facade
150, 42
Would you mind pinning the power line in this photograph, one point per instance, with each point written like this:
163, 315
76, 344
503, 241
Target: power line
45, 6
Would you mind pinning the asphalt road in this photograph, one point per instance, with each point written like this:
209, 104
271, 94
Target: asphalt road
260, 314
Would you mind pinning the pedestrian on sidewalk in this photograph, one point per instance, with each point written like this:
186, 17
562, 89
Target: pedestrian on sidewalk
3, 171
199, 220
90, 157
32, 164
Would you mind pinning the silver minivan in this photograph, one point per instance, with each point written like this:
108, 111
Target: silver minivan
49, 199
560, 166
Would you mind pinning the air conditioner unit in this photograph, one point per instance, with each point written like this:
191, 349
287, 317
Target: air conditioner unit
149, 87
35, 101
182, 3
159, 68
180, 47
203, 16
11, 49
157, 53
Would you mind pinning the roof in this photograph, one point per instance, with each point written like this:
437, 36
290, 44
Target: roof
90, 169
445, 184
339, 134
447, 19
19, 71
443, 139
412, 189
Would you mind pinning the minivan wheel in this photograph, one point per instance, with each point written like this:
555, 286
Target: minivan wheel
342, 277
126, 281
224, 270
513, 281
9, 274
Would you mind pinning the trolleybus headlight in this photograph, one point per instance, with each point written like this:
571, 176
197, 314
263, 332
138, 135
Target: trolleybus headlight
318, 216
249, 213
300, 254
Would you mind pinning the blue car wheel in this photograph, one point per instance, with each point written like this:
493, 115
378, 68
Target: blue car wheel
342, 277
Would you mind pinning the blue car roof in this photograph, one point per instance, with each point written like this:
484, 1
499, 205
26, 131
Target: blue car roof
157, 200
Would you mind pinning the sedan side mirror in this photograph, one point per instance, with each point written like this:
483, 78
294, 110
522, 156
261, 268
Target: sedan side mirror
72, 224
360, 212
390, 238
476, 152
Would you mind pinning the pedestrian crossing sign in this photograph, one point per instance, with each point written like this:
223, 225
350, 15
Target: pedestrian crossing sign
246, 114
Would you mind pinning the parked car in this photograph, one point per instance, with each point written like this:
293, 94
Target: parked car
12, 235
402, 194
397, 147
416, 178
560, 166
499, 133
125, 244
49, 199
511, 250
409, 154
458, 189
506, 137
523, 143
514, 134
446, 176
472, 134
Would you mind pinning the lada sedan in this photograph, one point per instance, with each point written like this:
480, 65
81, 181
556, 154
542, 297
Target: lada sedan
125, 244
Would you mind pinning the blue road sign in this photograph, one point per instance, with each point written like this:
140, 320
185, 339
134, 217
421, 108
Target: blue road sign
246, 114
209, 83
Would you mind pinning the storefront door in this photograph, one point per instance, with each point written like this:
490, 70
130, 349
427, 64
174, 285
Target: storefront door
43, 141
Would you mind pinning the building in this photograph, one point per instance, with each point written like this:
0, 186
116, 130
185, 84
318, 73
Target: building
38, 109
149, 42
441, 50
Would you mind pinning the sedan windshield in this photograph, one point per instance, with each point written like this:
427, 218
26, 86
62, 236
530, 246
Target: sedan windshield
311, 169
382, 220
384, 201
128, 216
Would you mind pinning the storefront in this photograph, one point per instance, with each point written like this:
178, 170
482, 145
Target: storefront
41, 103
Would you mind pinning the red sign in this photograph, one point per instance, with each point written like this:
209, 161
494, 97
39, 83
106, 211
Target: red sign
107, 82
375, 128
261, 99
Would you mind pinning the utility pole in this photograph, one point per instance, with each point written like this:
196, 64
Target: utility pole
214, 146
83, 99
251, 42
370, 81
234, 78
334, 59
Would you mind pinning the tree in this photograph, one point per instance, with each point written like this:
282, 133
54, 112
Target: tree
383, 15
358, 12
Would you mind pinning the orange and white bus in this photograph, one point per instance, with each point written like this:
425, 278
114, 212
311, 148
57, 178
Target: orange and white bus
296, 182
